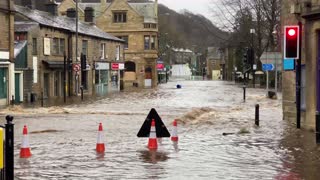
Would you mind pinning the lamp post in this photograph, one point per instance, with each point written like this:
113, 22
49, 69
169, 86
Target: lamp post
252, 31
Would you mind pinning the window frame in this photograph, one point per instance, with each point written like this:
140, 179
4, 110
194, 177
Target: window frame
147, 42
119, 16
102, 50
82, 47
34, 46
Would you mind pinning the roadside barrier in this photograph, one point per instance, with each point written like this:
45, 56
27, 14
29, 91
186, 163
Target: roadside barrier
152, 143
25, 147
174, 133
100, 148
7, 150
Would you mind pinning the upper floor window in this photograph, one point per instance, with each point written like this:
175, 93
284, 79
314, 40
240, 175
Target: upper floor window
84, 47
58, 46
117, 53
126, 39
120, 17
102, 51
150, 25
149, 42
34, 46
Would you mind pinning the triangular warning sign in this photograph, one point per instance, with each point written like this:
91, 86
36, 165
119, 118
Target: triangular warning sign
161, 129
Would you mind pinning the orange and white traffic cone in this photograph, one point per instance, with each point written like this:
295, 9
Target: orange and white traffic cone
152, 144
100, 144
174, 133
25, 147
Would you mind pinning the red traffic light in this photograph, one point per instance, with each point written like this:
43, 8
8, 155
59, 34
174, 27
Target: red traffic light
291, 32
291, 42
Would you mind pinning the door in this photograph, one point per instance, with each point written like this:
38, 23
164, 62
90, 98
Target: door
3, 83
318, 75
17, 88
46, 85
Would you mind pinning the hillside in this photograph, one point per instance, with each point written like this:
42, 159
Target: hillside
188, 30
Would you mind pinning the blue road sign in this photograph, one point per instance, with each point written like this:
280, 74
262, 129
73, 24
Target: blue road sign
288, 64
267, 67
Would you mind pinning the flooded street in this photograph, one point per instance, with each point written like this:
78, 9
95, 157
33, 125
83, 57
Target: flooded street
63, 139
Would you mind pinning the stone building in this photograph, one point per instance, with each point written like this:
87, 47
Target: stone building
6, 52
52, 69
215, 59
308, 12
137, 24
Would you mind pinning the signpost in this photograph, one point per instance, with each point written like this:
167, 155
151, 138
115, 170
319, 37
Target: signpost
267, 67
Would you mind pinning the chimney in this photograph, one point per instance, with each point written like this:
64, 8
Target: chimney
52, 8
71, 13
89, 14
28, 3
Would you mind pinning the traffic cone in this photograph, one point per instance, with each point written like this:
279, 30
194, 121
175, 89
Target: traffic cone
100, 144
174, 134
152, 144
25, 147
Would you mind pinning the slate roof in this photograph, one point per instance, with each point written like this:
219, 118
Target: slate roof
64, 23
24, 26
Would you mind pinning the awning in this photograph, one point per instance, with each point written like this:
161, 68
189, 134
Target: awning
53, 64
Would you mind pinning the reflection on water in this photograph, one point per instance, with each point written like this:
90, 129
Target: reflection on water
63, 138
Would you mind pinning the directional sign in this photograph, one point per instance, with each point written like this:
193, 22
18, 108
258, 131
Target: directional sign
267, 67
161, 130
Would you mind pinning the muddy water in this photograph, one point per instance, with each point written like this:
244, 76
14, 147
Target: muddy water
63, 139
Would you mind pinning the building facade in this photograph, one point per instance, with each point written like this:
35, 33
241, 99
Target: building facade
54, 69
308, 13
137, 24
6, 52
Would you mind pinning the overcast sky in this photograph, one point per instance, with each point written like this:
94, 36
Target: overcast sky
195, 6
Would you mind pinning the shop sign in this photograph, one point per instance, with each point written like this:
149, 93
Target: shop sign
160, 66
115, 66
121, 66
102, 66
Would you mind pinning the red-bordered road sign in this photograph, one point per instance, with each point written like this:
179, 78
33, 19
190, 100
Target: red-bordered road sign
76, 67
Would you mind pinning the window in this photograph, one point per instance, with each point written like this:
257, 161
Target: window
102, 51
153, 42
55, 46
58, 46
34, 46
62, 47
149, 42
149, 26
126, 39
85, 47
146, 42
117, 53
119, 17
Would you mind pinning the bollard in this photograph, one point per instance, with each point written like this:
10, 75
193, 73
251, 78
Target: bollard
9, 151
244, 93
12, 100
81, 89
42, 94
318, 127
257, 115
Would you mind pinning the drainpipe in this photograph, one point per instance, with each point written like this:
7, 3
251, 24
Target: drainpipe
11, 53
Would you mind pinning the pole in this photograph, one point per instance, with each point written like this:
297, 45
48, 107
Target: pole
276, 76
298, 80
77, 19
9, 148
317, 127
257, 115
267, 80
64, 78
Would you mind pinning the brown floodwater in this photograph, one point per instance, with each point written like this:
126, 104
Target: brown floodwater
63, 138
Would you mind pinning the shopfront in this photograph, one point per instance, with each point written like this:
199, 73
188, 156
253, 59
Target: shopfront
101, 78
116, 69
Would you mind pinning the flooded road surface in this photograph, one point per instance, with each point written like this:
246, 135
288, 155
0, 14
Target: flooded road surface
63, 139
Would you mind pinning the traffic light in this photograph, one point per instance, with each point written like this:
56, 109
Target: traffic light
291, 42
250, 55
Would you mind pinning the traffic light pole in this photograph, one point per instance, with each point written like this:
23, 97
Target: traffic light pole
298, 80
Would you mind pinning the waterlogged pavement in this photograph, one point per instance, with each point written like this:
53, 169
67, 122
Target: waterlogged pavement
63, 139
